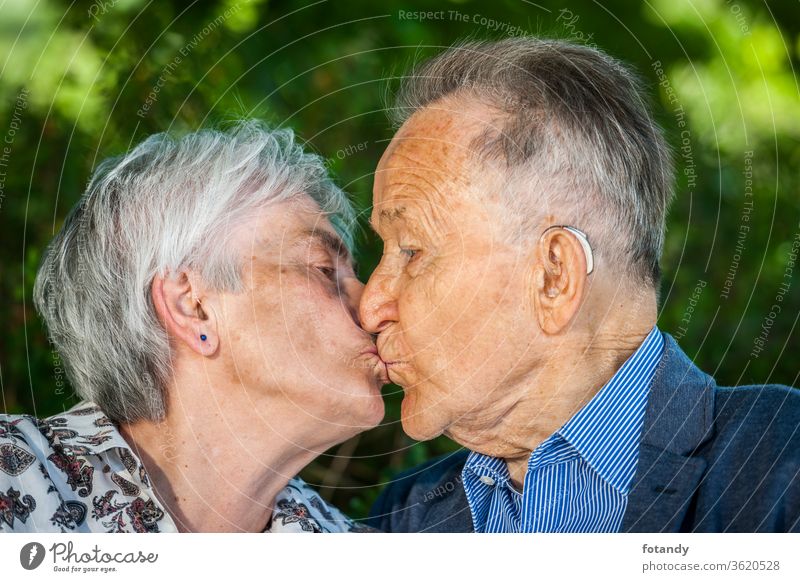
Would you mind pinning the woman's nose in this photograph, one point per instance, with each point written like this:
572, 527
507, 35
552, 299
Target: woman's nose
353, 292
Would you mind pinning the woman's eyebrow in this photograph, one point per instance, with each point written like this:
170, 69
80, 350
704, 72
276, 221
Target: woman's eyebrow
329, 241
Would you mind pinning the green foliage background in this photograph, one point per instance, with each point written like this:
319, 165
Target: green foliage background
75, 74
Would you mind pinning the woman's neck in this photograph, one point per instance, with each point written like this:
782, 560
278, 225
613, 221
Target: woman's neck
219, 470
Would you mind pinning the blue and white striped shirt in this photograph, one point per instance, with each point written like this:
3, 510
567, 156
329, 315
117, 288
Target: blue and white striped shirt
578, 479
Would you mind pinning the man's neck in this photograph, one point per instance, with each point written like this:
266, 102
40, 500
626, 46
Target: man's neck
578, 364
540, 403
578, 377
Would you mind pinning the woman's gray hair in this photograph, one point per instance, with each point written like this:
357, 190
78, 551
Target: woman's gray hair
168, 204
574, 136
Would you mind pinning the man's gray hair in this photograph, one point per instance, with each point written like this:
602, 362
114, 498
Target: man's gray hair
170, 203
574, 135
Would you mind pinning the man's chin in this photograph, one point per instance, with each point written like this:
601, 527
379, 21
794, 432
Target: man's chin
420, 425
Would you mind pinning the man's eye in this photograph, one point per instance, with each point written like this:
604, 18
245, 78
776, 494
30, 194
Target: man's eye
410, 254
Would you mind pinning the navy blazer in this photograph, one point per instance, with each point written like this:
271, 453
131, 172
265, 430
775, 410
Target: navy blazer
711, 459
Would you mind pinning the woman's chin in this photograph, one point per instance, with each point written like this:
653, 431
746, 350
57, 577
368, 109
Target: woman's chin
376, 410
367, 410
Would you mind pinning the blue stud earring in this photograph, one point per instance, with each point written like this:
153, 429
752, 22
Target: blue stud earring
203, 337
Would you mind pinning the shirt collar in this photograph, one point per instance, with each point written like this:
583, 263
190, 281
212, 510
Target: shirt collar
483, 466
606, 431
96, 433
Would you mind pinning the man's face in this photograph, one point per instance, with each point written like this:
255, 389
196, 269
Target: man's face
293, 336
448, 298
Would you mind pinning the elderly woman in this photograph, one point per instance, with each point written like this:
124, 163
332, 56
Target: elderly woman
202, 296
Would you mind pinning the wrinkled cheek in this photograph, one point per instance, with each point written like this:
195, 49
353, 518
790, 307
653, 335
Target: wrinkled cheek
450, 342
422, 331
425, 358
326, 319
248, 367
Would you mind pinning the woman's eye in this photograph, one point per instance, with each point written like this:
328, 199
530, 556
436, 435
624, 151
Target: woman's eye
329, 272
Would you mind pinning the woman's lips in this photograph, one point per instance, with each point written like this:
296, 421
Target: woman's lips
378, 365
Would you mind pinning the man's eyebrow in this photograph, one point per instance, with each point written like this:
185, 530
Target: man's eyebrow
389, 215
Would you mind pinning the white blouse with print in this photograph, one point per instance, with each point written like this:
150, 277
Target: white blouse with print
74, 472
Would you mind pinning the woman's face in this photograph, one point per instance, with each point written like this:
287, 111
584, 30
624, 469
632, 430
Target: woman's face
292, 339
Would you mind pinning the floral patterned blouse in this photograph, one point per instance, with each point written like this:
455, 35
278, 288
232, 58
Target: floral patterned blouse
74, 472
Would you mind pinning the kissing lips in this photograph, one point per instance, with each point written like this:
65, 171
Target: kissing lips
394, 369
377, 364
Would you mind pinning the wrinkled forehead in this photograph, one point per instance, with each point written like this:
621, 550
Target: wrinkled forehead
431, 160
281, 227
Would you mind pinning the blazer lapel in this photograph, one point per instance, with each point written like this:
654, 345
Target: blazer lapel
679, 418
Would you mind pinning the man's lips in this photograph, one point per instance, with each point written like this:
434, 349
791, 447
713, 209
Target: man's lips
397, 373
394, 370
391, 360
384, 367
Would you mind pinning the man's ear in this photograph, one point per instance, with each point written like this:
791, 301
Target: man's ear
559, 280
179, 306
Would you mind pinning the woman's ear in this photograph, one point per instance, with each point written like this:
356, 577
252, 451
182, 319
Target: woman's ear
558, 280
179, 306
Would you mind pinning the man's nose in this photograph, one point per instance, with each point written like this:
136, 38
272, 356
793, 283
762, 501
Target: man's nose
378, 308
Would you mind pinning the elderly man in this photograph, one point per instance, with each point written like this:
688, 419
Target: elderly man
521, 205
